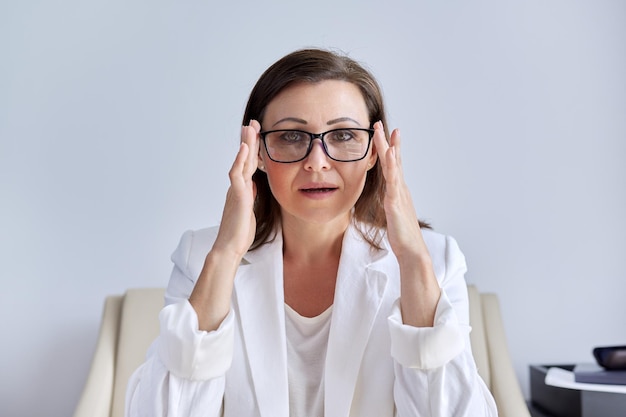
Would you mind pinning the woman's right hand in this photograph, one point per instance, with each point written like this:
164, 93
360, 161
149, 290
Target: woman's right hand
238, 225
212, 292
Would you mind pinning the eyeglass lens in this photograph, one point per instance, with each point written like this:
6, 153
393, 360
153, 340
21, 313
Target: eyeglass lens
340, 144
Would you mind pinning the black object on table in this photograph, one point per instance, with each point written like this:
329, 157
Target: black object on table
553, 401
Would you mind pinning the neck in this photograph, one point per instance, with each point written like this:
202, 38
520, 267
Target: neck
310, 243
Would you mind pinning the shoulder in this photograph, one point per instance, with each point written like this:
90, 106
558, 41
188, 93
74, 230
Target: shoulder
440, 244
192, 249
447, 257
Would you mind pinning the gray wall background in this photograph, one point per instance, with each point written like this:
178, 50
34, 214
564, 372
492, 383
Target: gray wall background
119, 121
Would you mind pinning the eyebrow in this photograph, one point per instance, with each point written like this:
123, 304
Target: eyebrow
291, 119
342, 119
304, 122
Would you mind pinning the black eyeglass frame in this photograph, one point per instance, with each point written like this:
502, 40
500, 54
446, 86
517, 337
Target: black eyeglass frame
319, 136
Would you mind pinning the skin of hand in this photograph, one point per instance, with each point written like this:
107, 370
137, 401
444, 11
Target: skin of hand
211, 295
238, 224
420, 290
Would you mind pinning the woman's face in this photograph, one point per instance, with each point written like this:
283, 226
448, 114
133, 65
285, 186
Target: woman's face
317, 190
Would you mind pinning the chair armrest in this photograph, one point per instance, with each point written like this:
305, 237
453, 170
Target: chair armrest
504, 384
95, 400
138, 327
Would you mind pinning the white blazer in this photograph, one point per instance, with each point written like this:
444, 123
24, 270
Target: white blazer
375, 365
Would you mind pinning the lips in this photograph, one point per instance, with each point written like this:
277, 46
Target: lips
318, 188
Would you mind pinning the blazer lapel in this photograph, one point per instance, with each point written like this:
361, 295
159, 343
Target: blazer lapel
260, 299
358, 295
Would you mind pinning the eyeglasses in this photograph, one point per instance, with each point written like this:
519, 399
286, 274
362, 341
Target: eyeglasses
343, 145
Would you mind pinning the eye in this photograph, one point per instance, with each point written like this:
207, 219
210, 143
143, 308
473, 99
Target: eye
293, 136
343, 135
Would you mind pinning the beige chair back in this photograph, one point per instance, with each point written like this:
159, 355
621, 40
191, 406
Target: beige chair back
130, 324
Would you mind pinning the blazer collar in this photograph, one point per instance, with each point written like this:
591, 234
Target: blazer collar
359, 294
259, 295
260, 300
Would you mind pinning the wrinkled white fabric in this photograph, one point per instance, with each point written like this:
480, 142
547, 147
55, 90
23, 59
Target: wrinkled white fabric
438, 344
375, 366
191, 353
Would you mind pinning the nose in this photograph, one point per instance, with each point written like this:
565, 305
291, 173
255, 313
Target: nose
317, 160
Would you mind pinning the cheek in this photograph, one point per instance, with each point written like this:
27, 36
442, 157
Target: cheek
279, 176
355, 178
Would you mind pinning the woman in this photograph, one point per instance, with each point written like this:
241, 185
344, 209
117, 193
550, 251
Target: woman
321, 293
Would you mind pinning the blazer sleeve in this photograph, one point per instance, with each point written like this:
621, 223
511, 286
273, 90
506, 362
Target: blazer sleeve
434, 367
183, 374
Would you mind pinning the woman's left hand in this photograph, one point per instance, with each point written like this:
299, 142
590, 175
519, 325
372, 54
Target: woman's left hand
419, 287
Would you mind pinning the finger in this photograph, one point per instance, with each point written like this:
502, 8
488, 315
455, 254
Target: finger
255, 125
380, 142
387, 152
250, 133
240, 161
249, 136
393, 162
255, 150
395, 144
390, 168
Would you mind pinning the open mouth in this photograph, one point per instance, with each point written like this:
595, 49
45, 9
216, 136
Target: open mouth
318, 190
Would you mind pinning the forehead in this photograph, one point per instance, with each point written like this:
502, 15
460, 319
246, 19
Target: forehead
318, 103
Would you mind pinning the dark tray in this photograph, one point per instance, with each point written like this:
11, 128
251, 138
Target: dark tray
554, 401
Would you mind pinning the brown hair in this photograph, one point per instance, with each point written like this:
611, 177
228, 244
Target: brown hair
313, 66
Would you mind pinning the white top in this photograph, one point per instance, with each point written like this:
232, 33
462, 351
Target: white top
307, 342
